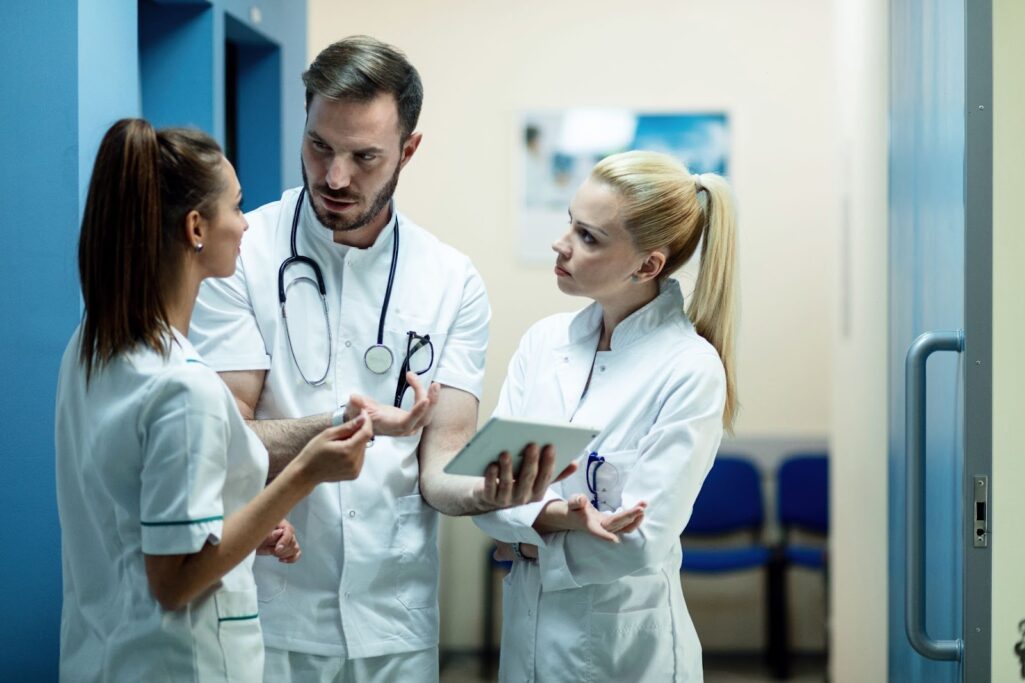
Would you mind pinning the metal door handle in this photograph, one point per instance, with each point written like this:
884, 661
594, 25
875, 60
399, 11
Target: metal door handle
914, 577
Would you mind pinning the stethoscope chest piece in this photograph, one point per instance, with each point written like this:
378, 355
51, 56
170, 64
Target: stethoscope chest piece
378, 359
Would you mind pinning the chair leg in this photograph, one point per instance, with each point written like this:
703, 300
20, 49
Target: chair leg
828, 616
487, 666
777, 636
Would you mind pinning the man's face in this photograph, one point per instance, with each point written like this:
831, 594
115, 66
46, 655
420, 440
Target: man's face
352, 154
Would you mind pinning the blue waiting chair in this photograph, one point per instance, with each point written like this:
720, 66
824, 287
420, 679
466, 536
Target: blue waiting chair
802, 496
803, 503
731, 502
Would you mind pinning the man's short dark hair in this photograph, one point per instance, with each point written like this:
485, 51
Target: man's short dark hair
360, 68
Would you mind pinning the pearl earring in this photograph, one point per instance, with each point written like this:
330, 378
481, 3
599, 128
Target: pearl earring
199, 248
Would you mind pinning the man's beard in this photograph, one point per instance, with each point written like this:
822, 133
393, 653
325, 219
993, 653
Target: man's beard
339, 223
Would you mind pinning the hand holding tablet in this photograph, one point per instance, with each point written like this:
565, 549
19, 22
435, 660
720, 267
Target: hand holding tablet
510, 435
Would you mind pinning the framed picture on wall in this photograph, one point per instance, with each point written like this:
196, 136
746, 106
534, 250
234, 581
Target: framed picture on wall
559, 148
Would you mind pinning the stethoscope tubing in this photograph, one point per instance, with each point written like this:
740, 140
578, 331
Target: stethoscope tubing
295, 258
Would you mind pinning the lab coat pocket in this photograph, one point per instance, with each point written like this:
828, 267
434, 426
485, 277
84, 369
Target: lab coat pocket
610, 477
270, 577
417, 547
239, 635
632, 646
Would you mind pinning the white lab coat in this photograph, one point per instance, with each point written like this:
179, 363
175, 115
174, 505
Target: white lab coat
152, 455
590, 610
367, 583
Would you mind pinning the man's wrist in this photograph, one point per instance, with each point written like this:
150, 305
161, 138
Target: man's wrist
517, 550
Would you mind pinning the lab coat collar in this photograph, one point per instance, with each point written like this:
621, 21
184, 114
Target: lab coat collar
353, 255
668, 304
574, 359
187, 349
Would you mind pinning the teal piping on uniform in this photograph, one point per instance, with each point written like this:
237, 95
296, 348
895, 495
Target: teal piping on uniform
186, 521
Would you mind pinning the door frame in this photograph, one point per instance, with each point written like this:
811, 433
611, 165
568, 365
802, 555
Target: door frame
978, 320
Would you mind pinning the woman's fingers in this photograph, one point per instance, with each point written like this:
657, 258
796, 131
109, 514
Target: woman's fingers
527, 474
577, 502
267, 547
347, 429
568, 470
546, 466
287, 547
598, 530
491, 483
633, 526
625, 520
505, 480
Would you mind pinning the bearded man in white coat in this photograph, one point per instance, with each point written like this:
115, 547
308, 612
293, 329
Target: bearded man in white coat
341, 303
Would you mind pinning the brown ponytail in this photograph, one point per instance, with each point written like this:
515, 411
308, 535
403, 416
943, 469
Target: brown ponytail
132, 242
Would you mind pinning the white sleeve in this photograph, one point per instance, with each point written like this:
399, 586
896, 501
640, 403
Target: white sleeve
515, 524
184, 430
673, 459
224, 328
462, 360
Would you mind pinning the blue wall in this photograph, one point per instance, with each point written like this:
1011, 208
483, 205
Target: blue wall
39, 305
70, 69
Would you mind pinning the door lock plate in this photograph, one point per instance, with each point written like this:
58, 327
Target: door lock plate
980, 518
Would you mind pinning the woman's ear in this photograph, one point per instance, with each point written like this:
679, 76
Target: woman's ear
195, 230
651, 267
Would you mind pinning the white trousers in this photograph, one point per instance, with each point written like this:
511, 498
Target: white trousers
284, 666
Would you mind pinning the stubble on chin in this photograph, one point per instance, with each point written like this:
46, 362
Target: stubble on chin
339, 224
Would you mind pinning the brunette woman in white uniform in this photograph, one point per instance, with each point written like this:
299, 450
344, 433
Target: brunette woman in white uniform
595, 592
160, 485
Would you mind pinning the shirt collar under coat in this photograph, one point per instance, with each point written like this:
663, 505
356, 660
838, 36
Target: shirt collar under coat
311, 225
667, 305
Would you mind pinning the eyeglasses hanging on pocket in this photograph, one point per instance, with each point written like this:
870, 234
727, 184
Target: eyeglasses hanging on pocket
419, 358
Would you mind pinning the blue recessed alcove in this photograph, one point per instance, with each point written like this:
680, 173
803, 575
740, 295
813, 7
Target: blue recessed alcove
176, 63
252, 101
71, 69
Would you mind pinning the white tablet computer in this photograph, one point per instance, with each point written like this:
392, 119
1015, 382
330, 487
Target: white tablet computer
512, 435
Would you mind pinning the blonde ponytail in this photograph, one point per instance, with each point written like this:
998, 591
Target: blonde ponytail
662, 209
713, 304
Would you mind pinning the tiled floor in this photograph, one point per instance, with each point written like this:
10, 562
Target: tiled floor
718, 669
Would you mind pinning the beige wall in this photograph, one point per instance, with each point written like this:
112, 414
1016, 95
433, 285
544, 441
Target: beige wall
859, 445
768, 65
1008, 333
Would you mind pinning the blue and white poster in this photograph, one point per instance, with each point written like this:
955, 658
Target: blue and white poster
561, 147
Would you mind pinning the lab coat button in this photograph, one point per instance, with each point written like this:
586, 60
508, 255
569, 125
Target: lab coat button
601, 368
347, 594
352, 513
348, 343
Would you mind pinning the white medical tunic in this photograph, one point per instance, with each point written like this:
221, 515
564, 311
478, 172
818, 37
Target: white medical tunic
152, 455
367, 583
590, 610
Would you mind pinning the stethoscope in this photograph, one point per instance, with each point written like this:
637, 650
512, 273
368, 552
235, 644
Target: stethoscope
378, 358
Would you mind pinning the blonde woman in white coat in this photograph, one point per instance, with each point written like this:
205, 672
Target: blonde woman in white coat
595, 592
